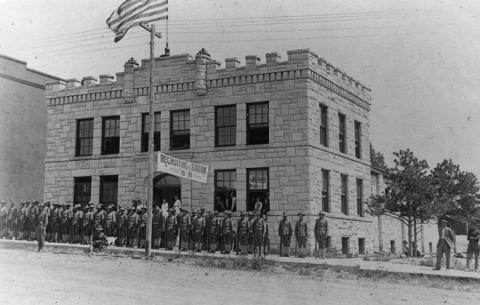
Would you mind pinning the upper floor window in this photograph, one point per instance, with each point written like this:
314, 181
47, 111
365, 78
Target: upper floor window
257, 123
111, 135
358, 139
344, 193
179, 129
225, 125
84, 146
325, 190
146, 130
360, 197
342, 133
323, 125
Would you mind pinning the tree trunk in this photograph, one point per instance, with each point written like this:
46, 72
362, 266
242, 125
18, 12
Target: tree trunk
415, 239
380, 235
409, 224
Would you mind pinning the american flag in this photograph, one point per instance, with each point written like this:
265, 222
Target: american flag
134, 12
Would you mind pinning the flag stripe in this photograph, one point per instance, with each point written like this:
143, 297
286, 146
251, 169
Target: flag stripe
124, 15
120, 35
136, 12
141, 15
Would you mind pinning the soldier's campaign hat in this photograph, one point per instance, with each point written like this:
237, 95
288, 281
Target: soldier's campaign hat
215, 212
41, 204
47, 203
444, 221
301, 213
284, 213
321, 213
193, 211
228, 212
77, 206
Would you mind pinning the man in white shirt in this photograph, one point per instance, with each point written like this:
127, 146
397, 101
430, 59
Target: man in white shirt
177, 205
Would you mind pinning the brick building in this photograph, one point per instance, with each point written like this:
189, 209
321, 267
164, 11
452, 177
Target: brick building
293, 134
23, 125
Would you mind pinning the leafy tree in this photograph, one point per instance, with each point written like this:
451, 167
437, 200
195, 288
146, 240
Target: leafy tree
377, 159
408, 194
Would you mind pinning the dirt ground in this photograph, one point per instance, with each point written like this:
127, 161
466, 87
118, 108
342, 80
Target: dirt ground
27, 277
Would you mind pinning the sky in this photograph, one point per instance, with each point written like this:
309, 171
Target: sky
420, 58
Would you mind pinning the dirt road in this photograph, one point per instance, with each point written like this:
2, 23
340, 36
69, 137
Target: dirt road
28, 277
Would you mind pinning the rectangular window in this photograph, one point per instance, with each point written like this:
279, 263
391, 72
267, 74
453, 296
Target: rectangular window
323, 125
82, 190
361, 246
358, 139
225, 125
360, 197
109, 190
180, 129
345, 245
84, 137
342, 147
111, 135
257, 123
225, 191
258, 188
146, 130
344, 194
325, 190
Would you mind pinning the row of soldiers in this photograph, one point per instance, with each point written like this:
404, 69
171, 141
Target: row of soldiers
195, 231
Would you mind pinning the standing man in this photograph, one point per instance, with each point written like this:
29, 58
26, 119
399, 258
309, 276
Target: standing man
243, 233
87, 223
445, 243
251, 220
20, 220
213, 231
32, 220
199, 231
110, 221
258, 234
67, 218
53, 223
258, 205
184, 225
12, 220
3, 219
301, 234
133, 222
171, 230
142, 226
122, 227
42, 222
473, 237
77, 224
285, 233
321, 233
191, 233
227, 232
266, 237
177, 205
156, 222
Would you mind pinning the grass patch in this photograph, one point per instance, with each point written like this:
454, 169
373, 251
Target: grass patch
242, 263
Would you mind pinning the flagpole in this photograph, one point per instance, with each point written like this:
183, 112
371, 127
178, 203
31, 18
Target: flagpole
151, 147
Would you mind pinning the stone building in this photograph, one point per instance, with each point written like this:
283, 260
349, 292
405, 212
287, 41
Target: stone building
23, 125
292, 134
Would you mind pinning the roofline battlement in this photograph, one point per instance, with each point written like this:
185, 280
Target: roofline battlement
184, 72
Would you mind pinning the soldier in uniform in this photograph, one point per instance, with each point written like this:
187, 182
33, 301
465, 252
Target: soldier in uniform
142, 226
86, 223
171, 230
184, 224
191, 233
67, 218
42, 222
133, 222
156, 227
99, 216
243, 233
473, 237
12, 220
122, 227
199, 231
20, 220
258, 234
32, 220
285, 233
321, 233
213, 232
25, 212
110, 221
251, 220
3, 219
301, 234
53, 223
227, 232
77, 224
446, 242
266, 237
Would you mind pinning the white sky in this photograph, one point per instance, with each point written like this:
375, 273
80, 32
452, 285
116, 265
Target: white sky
420, 58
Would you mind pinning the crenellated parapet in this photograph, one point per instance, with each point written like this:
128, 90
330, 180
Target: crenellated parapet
182, 72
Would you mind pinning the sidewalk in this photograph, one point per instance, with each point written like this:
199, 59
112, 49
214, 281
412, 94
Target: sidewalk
369, 267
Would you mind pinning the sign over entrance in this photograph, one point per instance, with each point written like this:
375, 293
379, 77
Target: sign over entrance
182, 168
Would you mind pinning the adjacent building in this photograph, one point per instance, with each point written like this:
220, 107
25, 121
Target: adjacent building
292, 134
23, 125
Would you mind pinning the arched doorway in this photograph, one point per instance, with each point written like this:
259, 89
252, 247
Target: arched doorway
165, 186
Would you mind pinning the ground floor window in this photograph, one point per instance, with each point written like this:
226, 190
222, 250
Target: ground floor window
109, 190
345, 245
225, 191
82, 190
258, 189
361, 246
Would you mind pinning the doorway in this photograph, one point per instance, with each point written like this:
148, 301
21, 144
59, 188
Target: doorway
166, 186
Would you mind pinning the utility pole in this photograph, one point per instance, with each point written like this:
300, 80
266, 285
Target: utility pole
151, 144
